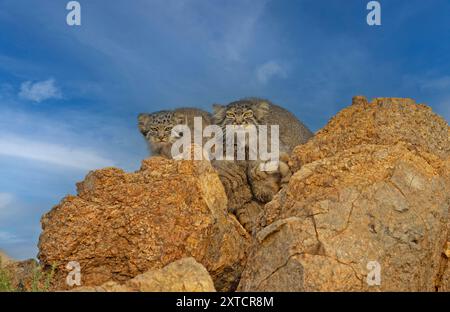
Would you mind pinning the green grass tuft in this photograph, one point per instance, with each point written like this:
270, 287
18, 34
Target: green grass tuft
5, 280
40, 280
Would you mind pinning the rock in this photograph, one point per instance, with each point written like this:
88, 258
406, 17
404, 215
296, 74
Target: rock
384, 121
121, 225
185, 275
359, 100
445, 286
443, 279
370, 192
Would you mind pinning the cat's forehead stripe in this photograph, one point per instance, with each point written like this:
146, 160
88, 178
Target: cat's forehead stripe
162, 116
240, 106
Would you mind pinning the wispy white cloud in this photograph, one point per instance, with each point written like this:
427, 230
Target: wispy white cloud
10, 206
240, 29
436, 84
57, 154
7, 238
444, 107
5, 200
434, 89
269, 70
39, 91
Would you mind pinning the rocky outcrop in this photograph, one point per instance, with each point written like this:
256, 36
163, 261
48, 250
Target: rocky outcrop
185, 275
121, 225
367, 208
384, 121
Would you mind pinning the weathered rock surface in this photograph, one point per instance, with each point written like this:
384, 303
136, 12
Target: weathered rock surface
373, 185
443, 279
185, 275
122, 224
384, 121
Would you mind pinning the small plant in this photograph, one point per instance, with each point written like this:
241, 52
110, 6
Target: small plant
41, 280
5, 280
37, 274
49, 277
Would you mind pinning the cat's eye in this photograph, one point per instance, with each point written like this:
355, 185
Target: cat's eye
154, 129
248, 114
230, 115
168, 129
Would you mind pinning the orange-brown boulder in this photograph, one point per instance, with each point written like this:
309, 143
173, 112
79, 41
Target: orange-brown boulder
122, 224
367, 208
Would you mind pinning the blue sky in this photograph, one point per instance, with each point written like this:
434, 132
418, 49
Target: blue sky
69, 96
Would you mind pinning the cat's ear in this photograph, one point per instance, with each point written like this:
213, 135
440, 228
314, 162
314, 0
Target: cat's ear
142, 122
219, 112
261, 109
180, 118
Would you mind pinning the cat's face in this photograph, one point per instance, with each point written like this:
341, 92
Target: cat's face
241, 113
157, 128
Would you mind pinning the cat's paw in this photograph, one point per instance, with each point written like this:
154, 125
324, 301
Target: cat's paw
284, 169
264, 180
248, 216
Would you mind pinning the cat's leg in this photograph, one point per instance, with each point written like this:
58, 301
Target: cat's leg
284, 169
264, 182
248, 215
266, 178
